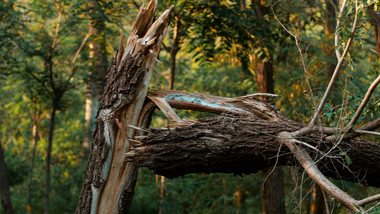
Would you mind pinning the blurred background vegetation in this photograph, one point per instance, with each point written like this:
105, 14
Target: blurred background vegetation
54, 56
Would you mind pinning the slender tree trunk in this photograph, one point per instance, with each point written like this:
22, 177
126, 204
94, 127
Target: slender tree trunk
88, 116
173, 59
375, 17
274, 185
30, 179
265, 84
98, 66
240, 198
263, 205
328, 48
318, 203
48, 157
99, 60
5, 194
162, 195
173, 51
264, 76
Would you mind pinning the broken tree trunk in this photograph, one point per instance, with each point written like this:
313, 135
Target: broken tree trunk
109, 180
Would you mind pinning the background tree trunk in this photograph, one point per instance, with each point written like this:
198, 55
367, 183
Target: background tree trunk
36, 120
4, 185
98, 68
318, 203
328, 48
48, 157
265, 84
375, 17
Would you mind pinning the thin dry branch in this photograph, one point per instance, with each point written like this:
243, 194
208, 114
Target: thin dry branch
298, 47
364, 102
369, 200
337, 68
312, 170
60, 9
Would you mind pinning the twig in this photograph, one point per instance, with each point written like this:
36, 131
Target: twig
369, 200
136, 5
358, 112
370, 209
139, 128
310, 167
81, 46
298, 46
366, 132
60, 8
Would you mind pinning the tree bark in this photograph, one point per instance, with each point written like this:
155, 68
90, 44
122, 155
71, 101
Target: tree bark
109, 180
4, 185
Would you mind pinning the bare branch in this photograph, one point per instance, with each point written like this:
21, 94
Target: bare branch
298, 46
136, 5
358, 112
60, 8
369, 200
365, 129
81, 46
337, 69
312, 170
366, 132
42, 83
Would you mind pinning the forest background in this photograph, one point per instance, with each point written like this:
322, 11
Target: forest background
54, 57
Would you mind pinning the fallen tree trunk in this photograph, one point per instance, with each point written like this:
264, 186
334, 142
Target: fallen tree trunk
230, 144
245, 139
250, 137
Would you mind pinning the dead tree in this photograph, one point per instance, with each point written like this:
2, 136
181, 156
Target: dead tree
250, 134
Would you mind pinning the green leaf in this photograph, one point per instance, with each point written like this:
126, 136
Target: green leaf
348, 159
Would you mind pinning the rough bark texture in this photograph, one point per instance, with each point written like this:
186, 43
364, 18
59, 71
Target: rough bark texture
109, 180
229, 144
4, 185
